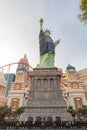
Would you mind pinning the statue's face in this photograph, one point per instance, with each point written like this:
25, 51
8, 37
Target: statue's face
47, 33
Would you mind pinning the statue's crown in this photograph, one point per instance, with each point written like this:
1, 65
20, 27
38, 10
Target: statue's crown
47, 31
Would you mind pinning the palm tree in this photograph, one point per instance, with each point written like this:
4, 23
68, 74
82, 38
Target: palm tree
20, 110
83, 111
72, 112
4, 111
17, 112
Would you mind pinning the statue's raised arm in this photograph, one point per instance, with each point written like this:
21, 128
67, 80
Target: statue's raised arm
41, 23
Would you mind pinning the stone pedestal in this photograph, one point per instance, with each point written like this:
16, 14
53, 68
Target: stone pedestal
45, 96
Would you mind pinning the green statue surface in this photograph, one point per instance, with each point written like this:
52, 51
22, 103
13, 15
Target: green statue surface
47, 48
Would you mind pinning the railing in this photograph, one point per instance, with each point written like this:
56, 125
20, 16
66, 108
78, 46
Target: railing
43, 124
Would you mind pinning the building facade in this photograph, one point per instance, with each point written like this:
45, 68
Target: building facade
82, 74
20, 87
3, 85
73, 88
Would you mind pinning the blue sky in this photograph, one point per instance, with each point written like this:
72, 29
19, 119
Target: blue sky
19, 30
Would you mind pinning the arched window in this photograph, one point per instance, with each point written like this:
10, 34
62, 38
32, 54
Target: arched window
78, 102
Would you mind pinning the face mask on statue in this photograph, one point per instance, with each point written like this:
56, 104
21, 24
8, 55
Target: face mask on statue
47, 32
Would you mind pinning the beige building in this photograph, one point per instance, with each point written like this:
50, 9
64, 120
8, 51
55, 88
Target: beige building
73, 87
19, 91
3, 85
82, 74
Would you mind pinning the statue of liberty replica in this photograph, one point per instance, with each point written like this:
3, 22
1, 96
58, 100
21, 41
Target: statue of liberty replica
45, 95
47, 47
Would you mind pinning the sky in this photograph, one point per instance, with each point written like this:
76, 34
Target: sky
19, 32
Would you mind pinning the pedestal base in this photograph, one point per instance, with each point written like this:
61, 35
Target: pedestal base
45, 96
